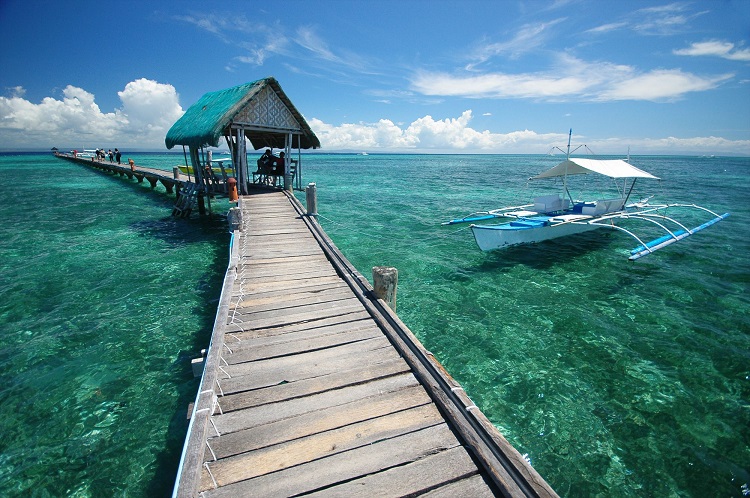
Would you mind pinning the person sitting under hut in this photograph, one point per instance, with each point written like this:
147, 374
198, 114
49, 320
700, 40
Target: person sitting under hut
265, 166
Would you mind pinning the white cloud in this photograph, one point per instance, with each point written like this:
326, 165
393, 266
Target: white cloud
528, 37
715, 48
607, 28
571, 80
427, 134
148, 110
664, 19
454, 135
659, 85
150, 107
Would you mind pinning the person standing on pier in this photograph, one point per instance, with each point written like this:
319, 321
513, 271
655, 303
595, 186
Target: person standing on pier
117, 155
111, 155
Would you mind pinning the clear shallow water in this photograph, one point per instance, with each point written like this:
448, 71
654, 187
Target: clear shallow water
105, 299
617, 379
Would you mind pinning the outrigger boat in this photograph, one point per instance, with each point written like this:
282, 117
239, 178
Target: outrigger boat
553, 216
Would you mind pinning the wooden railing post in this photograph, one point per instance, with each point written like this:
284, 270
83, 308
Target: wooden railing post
234, 217
311, 195
385, 284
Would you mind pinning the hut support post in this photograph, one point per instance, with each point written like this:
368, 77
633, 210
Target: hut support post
287, 162
299, 163
242, 160
195, 162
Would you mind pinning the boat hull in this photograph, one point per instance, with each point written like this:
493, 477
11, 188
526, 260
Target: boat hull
494, 237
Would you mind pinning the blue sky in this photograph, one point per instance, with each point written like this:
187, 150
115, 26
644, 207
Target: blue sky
387, 76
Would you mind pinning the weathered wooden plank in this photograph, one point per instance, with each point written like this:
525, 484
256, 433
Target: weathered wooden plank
316, 422
261, 298
294, 315
347, 302
341, 467
264, 373
279, 270
281, 248
312, 259
250, 286
275, 230
305, 387
408, 480
276, 457
302, 345
237, 333
271, 412
474, 486
251, 342
298, 303
294, 299
306, 275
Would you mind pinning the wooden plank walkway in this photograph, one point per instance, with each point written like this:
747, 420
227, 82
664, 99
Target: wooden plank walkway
312, 386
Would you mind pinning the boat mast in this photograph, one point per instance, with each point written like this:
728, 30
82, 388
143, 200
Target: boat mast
567, 158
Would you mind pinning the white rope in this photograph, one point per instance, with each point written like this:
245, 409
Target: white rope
216, 486
211, 450
214, 426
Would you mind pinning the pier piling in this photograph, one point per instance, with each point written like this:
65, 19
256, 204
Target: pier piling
385, 283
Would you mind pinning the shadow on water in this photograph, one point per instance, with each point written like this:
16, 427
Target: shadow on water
182, 233
167, 461
544, 255
178, 232
160, 197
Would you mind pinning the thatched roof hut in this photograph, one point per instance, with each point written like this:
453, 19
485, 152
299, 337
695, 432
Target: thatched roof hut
260, 109
258, 112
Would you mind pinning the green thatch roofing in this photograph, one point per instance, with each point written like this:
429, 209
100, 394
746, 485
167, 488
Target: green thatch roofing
206, 121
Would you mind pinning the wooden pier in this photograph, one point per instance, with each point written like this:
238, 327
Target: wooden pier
186, 191
171, 181
313, 386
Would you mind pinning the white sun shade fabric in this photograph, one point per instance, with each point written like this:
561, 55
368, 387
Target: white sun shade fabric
613, 168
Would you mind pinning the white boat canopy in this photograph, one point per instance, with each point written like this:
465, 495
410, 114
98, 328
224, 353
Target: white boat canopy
613, 168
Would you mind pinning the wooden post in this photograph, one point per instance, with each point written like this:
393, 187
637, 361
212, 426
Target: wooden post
311, 196
234, 218
385, 282
176, 173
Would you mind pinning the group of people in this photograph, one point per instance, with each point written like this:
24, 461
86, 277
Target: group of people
270, 164
271, 167
113, 156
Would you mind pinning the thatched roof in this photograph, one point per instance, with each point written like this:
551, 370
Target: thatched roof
260, 108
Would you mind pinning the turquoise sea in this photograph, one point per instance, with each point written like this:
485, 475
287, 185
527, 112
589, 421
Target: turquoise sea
615, 378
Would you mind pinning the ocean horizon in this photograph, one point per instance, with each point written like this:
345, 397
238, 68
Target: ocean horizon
613, 377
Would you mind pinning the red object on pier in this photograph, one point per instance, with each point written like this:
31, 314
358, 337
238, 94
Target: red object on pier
232, 186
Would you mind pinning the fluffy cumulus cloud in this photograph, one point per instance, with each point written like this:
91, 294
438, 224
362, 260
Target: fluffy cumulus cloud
427, 134
455, 135
148, 110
